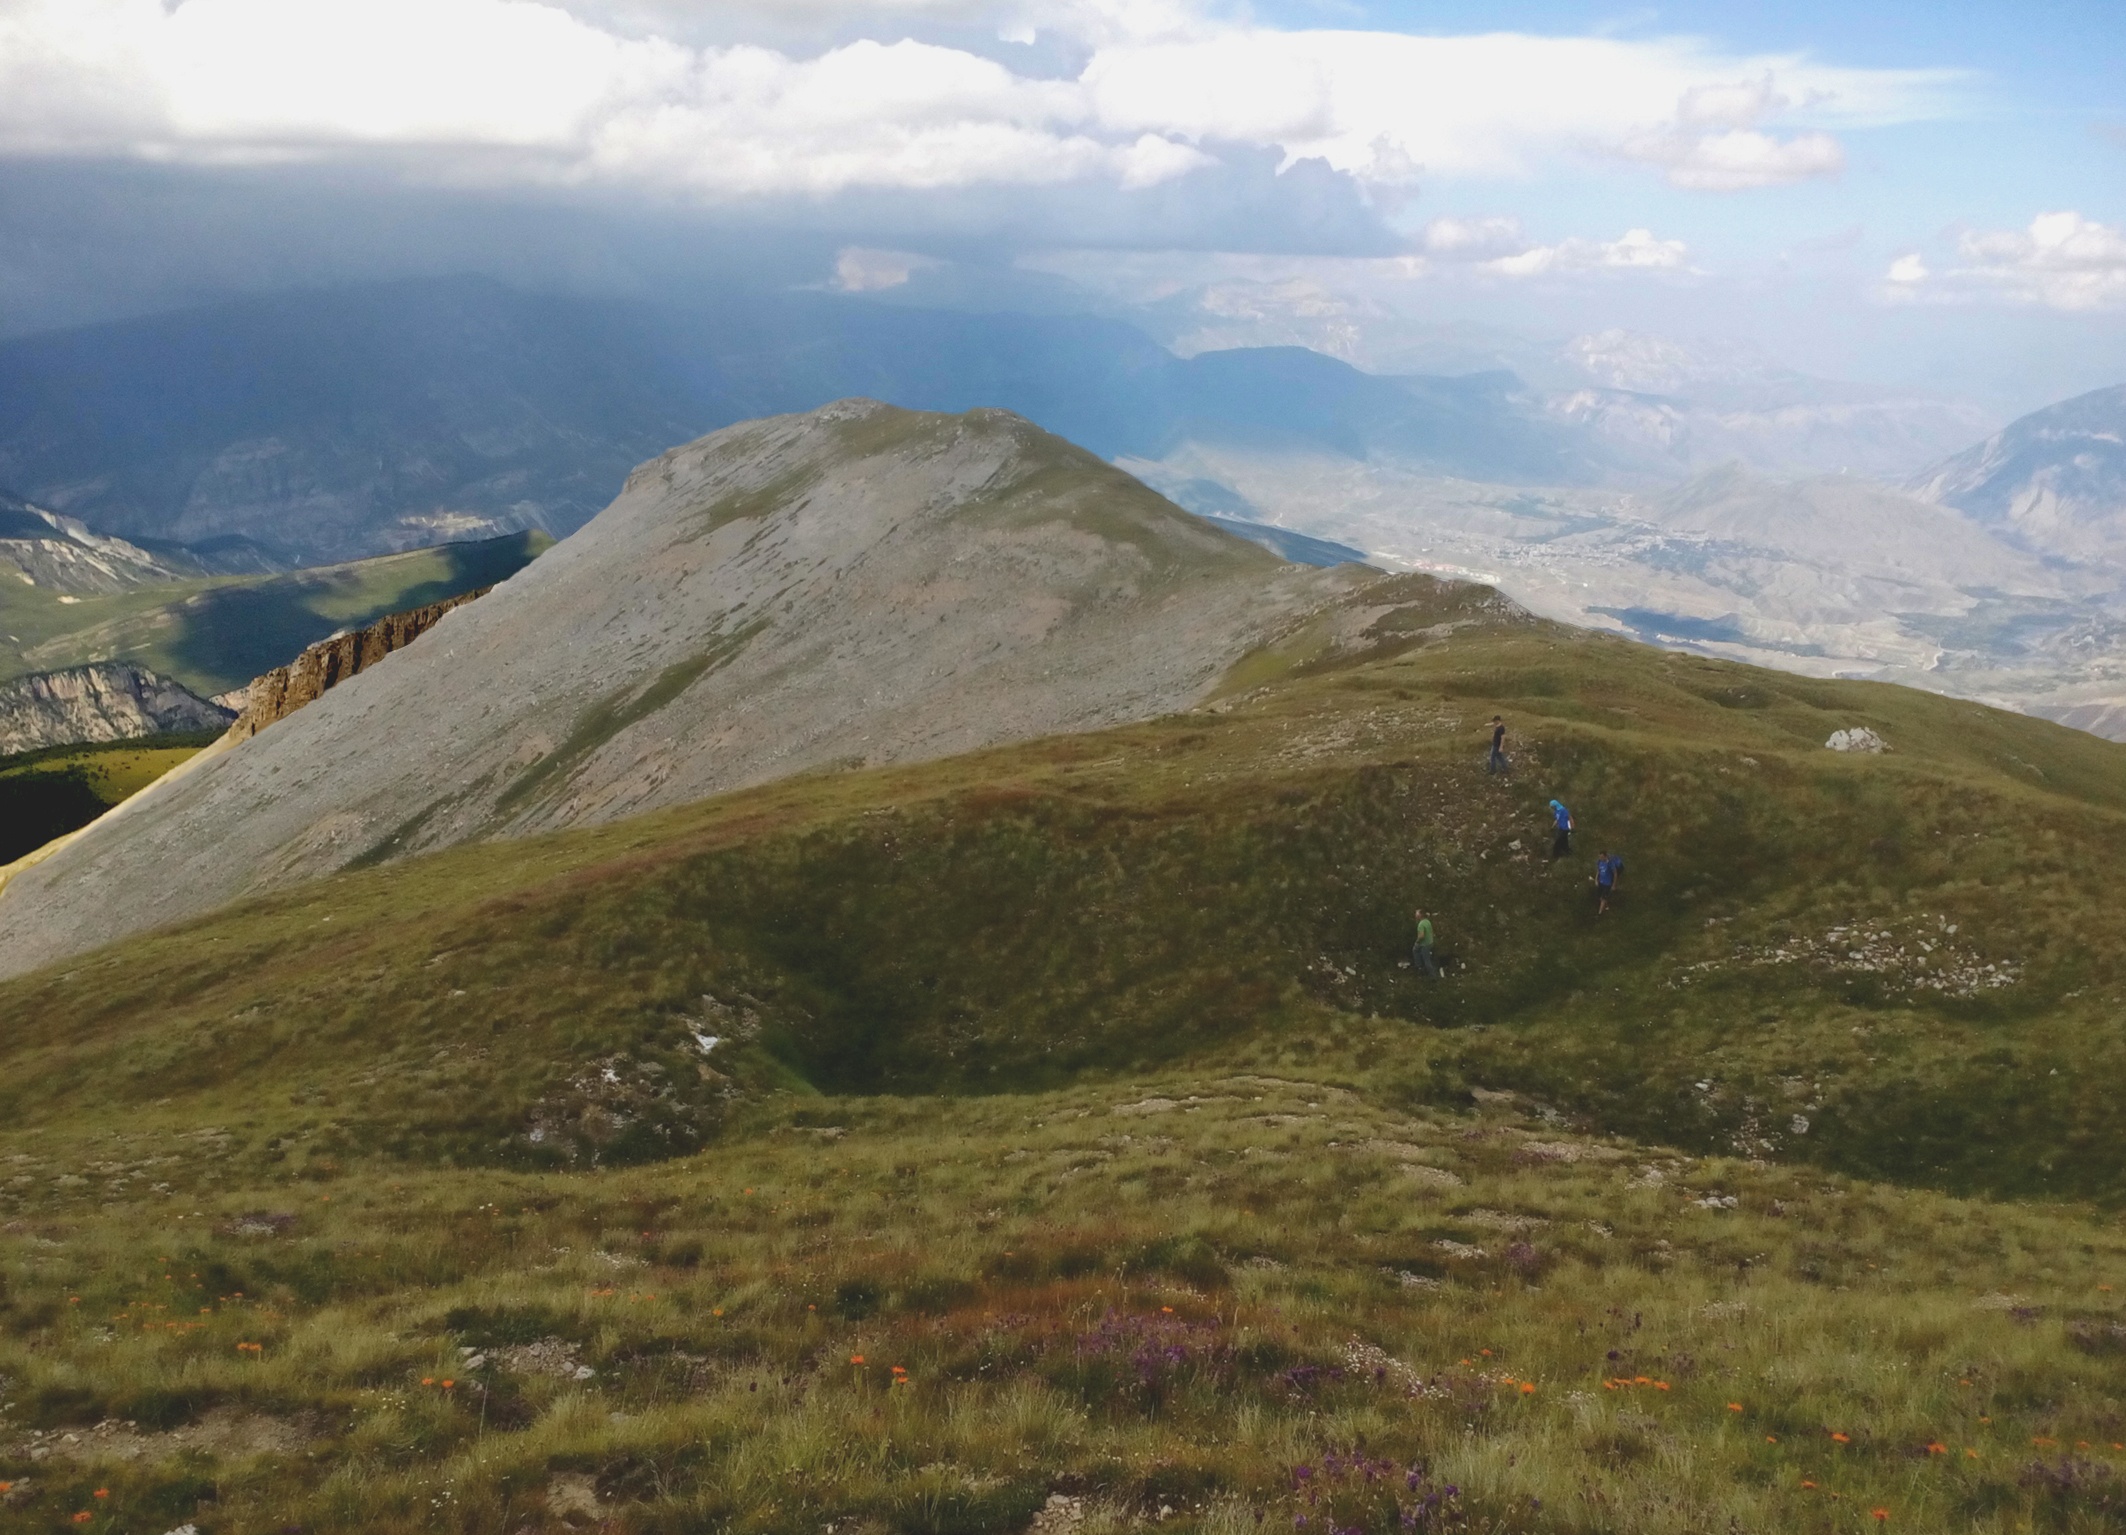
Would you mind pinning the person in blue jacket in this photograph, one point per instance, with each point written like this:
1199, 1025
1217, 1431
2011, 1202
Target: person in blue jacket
1609, 869
1561, 822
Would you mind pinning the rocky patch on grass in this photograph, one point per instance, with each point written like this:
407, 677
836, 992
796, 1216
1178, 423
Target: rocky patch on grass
553, 1357
226, 1433
629, 1109
1922, 957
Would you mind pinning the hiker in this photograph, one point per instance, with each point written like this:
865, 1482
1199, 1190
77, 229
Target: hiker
1421, 952
1561, 821
1496, 763
1608, 870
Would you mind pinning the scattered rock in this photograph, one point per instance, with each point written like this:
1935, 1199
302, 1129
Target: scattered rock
572, 1496
1565, 1151
549, 1356
1857, 739
258, 1223
1061, 1515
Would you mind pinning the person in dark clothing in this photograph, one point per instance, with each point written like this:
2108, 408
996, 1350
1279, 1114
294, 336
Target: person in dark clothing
1497, 761
1609, 869
1561, 823
1421, 951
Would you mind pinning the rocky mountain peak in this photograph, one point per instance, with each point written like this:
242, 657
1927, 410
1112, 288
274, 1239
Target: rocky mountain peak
857, 585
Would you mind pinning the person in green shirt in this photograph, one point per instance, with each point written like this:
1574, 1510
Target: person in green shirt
1421, 954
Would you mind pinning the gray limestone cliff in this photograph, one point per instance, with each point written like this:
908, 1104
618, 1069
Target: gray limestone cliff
110, 701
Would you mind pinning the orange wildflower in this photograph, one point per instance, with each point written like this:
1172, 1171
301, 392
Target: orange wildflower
1808, 1484
1936, 1447
1971, 1455
1660, 1385
1771, 1438
1169, 1310
856, 1358
448, 1384
1841, 1438
83, 1517
1880, 1515
1734, 1407
428, 1380
101, 1492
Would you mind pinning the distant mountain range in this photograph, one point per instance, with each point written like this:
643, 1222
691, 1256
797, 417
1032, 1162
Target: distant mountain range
2053, 482
305, 427
301, 428
1673, 408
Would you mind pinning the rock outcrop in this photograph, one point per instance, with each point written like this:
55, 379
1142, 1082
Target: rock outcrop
858, 585
110, 701
328, 663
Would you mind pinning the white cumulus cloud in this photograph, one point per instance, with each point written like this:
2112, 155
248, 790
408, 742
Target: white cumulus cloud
503, 90
1714, 143
1634, 250
2061, 261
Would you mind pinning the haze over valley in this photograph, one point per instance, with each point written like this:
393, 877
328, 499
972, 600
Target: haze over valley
1703, 498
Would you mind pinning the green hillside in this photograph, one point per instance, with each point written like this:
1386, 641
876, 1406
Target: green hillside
218, 633
1083, 1081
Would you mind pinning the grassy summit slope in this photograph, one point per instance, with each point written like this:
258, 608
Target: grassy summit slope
1080, 1079
1011, 919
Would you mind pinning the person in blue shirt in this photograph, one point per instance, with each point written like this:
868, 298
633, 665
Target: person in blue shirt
1609, 869
1561, 821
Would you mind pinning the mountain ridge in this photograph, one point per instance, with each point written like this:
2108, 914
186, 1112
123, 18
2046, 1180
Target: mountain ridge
859, 584
107, 701
2053, 481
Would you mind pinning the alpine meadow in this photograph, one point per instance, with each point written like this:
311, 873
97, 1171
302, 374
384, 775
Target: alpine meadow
1057, 1135
1062, 767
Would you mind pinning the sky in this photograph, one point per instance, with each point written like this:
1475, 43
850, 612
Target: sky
1911, 195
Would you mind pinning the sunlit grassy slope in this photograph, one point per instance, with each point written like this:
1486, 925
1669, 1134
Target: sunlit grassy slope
1082, 1081
46, 794
219, 633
